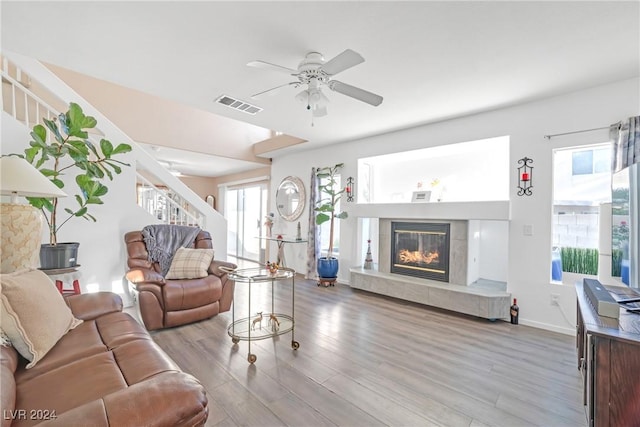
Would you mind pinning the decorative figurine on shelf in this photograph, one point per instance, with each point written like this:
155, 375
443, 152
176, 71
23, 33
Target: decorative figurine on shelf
273, 267
298, 233
279, 237
368, 261
258, 319
274, 322
268, 223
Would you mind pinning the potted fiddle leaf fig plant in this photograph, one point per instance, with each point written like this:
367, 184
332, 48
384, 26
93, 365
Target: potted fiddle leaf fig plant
69, 152
330, 195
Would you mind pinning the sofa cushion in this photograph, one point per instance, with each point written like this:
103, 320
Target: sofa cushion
190, 263
188, 294
71, 385
90, 338
33, 313
8, 365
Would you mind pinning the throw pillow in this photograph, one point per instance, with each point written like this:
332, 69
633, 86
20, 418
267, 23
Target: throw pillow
33, 313
4, 339
190, 264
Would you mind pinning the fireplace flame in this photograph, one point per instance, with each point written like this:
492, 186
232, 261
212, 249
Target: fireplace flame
417, 257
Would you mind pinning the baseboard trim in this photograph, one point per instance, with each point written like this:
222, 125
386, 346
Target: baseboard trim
548, 327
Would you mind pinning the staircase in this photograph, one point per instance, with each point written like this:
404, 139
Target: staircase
22, 104
145, 193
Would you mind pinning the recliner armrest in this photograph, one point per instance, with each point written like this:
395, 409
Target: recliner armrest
90, 306
144, 275
214, 267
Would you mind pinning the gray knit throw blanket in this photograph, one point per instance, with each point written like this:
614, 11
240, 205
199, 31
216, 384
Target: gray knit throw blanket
163, 240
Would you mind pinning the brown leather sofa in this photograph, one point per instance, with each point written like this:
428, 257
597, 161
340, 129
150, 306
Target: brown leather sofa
105, 372
165, 303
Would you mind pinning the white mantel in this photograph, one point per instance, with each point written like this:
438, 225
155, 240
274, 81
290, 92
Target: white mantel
499, 210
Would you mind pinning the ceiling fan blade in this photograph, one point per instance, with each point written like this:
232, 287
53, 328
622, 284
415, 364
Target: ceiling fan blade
270, 66
355, 92
274, 89
346, 59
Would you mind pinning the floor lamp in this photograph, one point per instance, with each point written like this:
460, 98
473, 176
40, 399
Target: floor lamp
21, 223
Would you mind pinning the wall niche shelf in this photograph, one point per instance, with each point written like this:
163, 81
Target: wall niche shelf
499, 210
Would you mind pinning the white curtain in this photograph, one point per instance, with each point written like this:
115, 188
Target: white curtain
313, 238
626, 143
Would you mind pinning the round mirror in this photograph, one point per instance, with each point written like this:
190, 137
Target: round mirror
290, 198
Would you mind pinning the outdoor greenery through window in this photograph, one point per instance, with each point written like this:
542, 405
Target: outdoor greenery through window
581, 182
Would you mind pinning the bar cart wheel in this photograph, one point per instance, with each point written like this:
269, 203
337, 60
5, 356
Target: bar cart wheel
235, 340
295, 345
252, 358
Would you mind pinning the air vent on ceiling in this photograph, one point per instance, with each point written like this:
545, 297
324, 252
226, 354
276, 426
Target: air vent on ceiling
237, 104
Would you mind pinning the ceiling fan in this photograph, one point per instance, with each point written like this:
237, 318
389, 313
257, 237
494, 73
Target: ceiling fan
314, 73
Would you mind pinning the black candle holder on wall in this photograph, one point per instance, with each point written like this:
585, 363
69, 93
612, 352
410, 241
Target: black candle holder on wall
350, 188
525, 177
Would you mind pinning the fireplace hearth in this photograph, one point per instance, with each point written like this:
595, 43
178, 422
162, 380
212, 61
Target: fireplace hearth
420, 249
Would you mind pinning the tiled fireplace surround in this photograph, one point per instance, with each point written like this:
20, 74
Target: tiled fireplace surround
455, 295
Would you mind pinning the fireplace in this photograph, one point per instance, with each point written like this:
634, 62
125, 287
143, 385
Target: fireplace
420, 249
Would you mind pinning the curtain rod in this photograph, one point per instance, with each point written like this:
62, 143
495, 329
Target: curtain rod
575, 131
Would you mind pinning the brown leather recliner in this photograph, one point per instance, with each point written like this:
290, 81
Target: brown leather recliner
165, 303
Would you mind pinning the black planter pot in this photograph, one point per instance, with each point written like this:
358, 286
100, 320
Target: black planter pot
328, 268
61, 255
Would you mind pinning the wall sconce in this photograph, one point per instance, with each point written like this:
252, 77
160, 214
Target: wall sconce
350, 188
525, 176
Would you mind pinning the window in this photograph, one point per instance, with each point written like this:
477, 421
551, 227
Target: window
587, 162
581, 182
326, 227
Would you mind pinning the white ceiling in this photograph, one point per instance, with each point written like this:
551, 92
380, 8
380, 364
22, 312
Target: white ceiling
430, 60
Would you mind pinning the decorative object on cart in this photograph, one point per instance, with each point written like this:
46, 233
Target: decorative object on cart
330, 196
525, 177
314, 73
20, 223
273, 322
68, 150
350, 188
268, 223
273, 267
258, 319
368, 261
290, 198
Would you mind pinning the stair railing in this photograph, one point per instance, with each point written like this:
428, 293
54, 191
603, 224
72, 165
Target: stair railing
162, 206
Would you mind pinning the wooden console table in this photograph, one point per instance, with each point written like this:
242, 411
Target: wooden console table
609, 360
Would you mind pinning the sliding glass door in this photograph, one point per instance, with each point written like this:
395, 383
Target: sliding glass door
245, 209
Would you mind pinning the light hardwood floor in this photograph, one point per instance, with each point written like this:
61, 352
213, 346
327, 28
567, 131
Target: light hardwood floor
368, 360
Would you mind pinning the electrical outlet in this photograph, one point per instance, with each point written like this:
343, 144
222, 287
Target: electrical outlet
554, 299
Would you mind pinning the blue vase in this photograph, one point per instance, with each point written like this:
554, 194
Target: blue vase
328, 268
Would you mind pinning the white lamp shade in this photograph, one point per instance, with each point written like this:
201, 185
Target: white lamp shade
19, 178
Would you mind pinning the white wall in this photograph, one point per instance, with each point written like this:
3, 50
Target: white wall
528, 269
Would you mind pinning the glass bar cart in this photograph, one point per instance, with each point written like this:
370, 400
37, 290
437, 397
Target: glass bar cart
262, 325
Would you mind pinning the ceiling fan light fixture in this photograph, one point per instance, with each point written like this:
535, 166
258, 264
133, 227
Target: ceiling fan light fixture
314, 73
303, 96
